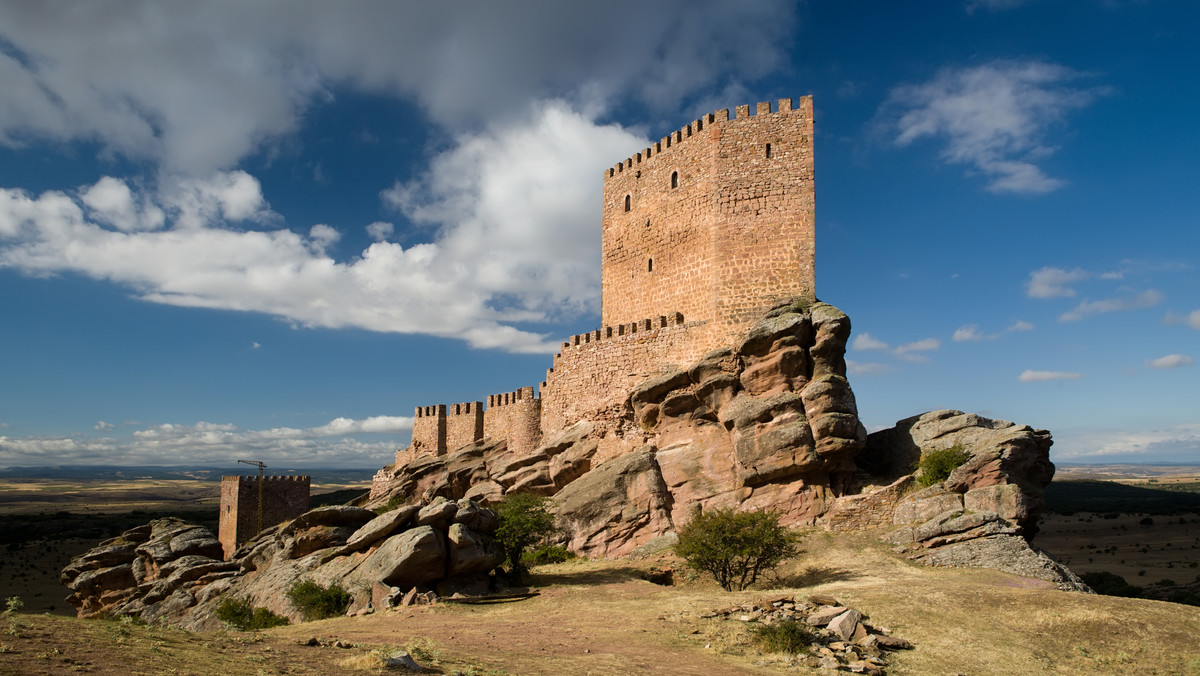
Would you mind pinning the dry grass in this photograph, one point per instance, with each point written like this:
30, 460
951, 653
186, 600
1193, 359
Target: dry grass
600, 617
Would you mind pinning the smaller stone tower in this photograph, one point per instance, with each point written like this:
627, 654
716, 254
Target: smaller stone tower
284, 498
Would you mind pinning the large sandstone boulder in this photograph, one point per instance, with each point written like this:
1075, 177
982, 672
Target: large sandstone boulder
158, 573
615, 507
1008, 468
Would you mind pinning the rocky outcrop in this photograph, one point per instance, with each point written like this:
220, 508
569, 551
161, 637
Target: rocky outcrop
768, 424
172, 570
1008, 468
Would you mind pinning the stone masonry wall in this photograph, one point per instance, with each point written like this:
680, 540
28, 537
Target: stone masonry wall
464, 424
429, 430
284, 498
515, 416
714, 221
595, 371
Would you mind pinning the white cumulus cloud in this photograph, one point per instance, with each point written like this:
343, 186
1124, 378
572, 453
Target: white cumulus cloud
336, 443
996, 117
1054, 282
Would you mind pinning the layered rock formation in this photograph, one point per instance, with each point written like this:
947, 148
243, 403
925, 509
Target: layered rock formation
172, 570
768, 424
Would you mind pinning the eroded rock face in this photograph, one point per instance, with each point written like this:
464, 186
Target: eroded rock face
170, 570
1008, 469
770, 423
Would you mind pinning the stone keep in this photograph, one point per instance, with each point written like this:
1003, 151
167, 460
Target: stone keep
701, 233
284, 498
714, 221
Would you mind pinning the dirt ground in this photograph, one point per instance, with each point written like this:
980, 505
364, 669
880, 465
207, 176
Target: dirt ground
600, 617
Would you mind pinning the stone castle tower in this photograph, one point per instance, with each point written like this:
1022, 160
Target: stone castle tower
701, 233
715, 221
283, 498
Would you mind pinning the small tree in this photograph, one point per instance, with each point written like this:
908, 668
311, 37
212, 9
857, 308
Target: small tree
524, 522
735, 547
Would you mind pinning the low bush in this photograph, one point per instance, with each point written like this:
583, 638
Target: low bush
242, 615
524, 522
316, 602
936, 466
545, 554
735, 547
786, 636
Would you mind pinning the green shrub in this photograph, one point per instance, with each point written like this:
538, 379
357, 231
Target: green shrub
524, 522
545, 554
735, 547
316, 602
243, 616
786, 636
394, 502
936, 466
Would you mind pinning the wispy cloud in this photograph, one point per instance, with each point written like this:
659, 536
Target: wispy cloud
1192, 319
103, 426
1086, 309
1177, 443
1029, 376
971, 332
865, 369
995, 118
912, 352
1170, 361
1054, 282
337, 441
865, 341
973, 6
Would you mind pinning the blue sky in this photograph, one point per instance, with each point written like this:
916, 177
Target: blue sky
272, 230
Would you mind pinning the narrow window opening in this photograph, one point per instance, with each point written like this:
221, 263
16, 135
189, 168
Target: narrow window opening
650, 266
768, 151
627, 203
674, 179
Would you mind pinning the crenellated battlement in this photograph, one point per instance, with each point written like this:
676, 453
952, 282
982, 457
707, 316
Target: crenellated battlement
465, 408
509, 398
277, 479
611, 332
430, 411
686, 132
283, 497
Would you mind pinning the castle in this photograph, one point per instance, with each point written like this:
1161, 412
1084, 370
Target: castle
702, 232
283, 498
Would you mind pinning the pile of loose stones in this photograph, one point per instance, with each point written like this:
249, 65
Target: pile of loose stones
843, 640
